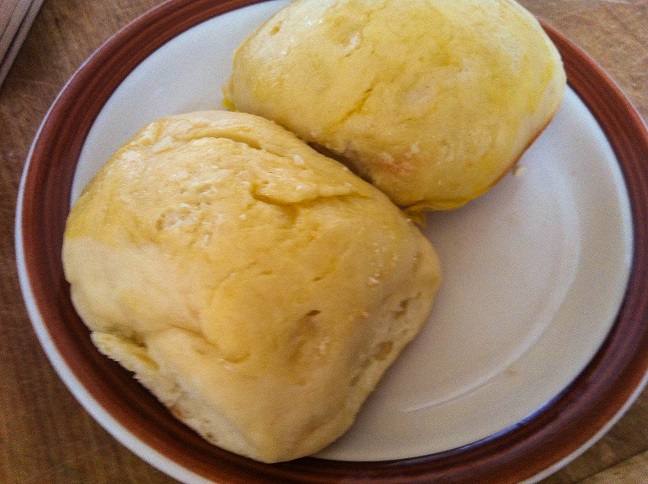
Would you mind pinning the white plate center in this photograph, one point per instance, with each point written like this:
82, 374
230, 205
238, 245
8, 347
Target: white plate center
535, 269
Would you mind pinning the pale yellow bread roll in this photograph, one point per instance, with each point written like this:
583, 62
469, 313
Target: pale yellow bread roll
433, 101
256, 287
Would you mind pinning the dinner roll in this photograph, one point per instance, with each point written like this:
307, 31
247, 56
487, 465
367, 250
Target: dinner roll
258, 288
433, 101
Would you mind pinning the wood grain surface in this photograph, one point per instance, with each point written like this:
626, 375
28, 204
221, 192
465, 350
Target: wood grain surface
45, 435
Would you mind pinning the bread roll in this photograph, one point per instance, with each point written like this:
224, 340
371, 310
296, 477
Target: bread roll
256, 287
433, 101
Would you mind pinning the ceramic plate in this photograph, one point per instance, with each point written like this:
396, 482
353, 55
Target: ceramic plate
534, 347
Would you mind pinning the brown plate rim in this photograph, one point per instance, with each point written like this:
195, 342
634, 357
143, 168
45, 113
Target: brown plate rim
556, 431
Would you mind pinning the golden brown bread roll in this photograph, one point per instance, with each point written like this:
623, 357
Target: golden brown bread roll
256, 287
433, 101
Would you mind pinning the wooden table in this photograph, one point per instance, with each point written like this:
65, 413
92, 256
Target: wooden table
45, 435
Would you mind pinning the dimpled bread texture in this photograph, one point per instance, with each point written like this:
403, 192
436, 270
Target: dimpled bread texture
258, 288
433, 101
